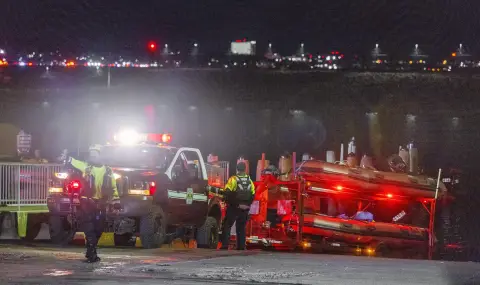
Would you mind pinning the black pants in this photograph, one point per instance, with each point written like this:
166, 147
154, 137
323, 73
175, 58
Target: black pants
93, 221
235, 214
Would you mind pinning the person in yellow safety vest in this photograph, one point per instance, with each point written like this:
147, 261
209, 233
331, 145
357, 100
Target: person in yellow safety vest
101, 187
239, 193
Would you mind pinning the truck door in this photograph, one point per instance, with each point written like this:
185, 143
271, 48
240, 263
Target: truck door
188, 200
197, 195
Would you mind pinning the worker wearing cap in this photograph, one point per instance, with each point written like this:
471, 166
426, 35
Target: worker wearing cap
239, 193
101, 187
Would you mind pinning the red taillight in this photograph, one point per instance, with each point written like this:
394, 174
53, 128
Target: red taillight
153, 188
74, 186
389, 195
339, 187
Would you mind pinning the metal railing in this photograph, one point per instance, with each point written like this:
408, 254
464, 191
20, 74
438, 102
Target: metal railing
218, 173
25, 184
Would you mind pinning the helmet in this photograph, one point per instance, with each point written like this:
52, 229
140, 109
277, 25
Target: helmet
95, 147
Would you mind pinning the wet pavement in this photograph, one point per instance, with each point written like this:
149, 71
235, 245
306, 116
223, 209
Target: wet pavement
43, 264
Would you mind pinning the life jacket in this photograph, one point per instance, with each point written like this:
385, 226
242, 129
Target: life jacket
244, 189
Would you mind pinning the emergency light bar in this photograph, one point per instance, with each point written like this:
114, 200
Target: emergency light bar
130, 137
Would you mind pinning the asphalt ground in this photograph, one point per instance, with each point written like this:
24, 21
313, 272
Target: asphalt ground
41, 263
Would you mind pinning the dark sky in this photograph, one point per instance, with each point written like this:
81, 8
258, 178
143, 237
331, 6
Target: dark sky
351, 25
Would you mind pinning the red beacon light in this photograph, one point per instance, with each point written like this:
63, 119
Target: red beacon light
159, 138
131, 137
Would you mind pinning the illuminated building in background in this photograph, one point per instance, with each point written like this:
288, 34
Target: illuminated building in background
243, 47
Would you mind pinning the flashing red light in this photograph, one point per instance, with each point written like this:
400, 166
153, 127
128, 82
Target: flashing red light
166, 138
152, 46
74, 186
389, 195
158, 138
238, 41
339, 187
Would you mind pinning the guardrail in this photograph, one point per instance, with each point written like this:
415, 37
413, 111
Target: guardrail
25, 184
218, 173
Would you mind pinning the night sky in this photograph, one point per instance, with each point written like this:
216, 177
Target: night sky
438, 26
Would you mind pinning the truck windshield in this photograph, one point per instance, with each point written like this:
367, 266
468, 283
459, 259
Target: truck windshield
136, 156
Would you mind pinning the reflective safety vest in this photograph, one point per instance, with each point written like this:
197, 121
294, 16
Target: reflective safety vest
93, 190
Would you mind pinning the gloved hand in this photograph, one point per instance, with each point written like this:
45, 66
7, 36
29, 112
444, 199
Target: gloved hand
63, 157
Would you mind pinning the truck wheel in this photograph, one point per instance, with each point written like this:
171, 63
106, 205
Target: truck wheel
152, 229
61, 232
207, 235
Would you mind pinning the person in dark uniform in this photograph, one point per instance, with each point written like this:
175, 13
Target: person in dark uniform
101, 187
239, 193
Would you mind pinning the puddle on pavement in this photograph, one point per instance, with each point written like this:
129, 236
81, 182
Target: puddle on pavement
56, 272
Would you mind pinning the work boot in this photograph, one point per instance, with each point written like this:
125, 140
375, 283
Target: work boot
91, 254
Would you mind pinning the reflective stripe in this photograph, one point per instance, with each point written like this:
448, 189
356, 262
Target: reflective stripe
183, 195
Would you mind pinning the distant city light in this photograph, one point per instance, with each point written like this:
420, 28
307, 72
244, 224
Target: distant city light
455, 121
2, 51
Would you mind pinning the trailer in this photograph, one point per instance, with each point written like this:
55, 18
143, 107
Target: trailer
335, 207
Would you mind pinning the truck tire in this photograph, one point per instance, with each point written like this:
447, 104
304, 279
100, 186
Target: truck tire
207, 235
152, 229
61, 232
